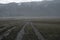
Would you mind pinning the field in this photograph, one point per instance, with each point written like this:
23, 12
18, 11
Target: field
30, 29
9, 29
50, 29
29, 33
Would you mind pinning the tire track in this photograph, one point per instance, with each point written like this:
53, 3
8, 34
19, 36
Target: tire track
6, 33
38, 34
29, 33
21, 33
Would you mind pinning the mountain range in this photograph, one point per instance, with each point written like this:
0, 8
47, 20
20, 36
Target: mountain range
36, 9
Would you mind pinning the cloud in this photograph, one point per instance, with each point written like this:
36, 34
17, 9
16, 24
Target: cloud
7, 1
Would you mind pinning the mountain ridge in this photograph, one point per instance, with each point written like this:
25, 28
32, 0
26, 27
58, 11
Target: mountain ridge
46, 8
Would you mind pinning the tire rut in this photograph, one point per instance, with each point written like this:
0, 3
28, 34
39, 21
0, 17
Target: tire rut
21, 33
40, 37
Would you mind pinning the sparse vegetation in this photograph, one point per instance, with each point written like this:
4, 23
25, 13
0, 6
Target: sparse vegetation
29, 33
13, 33
12, 27
50, 30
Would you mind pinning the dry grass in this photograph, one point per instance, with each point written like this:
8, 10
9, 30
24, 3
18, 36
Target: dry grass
49, 31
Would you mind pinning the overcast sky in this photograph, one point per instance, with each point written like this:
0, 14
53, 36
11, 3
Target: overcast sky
7, 1
17, 1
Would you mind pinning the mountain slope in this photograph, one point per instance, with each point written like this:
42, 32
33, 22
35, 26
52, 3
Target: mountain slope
45, 8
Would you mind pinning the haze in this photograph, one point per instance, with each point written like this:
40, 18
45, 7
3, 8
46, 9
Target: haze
18, 1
